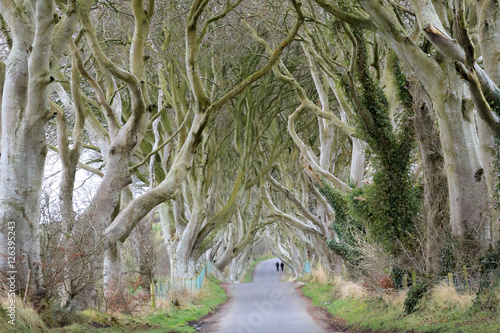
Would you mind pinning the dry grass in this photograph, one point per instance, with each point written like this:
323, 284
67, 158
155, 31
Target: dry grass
396, 299
181, 298
319, 274
177, 298
347, 289
443, 296
343, 288
163, 304
26, 316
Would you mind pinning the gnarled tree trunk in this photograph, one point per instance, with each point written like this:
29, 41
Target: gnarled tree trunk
435, 185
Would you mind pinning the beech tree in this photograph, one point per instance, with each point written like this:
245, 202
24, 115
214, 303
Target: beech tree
118, 134
308, 126
462, 155
37, 40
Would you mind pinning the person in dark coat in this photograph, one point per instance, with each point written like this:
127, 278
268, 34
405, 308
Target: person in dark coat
277, 266
282, 266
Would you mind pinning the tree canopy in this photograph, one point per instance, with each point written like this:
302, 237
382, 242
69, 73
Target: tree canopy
150, 136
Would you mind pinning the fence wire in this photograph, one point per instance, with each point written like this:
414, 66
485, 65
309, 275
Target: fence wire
307, 268
163, 289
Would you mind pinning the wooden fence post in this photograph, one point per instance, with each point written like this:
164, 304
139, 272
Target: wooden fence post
27, 292
466, 280
153, 296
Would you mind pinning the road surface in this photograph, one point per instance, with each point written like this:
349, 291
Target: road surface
264, 306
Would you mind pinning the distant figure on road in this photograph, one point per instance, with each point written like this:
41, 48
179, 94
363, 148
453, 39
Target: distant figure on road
282, 266
277, 266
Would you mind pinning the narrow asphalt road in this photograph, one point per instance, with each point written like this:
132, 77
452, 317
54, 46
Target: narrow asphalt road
264, 306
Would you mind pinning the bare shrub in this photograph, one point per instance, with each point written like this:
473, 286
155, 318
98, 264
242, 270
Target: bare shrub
126, 298
386, 284
374, 264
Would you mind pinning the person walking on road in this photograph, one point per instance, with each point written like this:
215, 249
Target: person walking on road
282, 266
277, 266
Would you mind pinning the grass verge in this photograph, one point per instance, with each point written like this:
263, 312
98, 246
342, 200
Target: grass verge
175, 319
26, 320
249, 273
442, 311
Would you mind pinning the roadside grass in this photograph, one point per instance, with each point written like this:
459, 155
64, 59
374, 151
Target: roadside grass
440, 311
248, 277
27, 320
176, 318
172, 319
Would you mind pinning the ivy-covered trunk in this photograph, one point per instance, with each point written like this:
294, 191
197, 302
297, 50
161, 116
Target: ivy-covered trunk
435, 184
467, 189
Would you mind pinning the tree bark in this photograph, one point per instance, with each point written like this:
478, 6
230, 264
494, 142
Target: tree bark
23, 148
487, 152
466, 184
112, 279
488, 14
467, 197
435, 185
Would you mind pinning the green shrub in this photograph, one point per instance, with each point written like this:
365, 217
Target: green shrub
487, 297
415, 295
57, 316
397, 276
